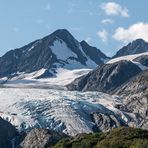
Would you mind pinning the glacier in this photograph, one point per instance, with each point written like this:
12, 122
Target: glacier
59, 110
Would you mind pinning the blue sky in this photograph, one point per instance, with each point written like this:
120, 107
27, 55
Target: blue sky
108, 25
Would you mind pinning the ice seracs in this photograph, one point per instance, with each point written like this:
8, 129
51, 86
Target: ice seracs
63, 111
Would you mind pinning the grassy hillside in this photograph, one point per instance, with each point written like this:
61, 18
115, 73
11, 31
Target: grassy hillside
118, 138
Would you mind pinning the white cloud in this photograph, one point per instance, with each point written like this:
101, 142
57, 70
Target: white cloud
107, 21
112, 8
135, 31
88, 39
103, 35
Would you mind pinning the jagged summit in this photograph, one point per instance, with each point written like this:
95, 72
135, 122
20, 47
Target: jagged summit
57, 50
93, 52
135, 47
106, 78
61, 32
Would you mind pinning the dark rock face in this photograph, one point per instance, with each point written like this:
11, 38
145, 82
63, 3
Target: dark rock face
106, 78
93, 53
41, 138
135, 97
137, 46
39, 54
105, 122
23, 60
143, 60
7, 133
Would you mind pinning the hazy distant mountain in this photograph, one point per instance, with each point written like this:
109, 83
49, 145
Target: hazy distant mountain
135, 47
57, 50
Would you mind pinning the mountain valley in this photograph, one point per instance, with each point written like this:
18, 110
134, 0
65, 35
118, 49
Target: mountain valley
59, 87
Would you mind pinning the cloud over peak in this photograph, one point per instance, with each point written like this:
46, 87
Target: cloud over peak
135, 31
112, 8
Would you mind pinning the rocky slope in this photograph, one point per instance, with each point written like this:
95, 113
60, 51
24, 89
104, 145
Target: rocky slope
135, 97
119, 137
106, 121
135, 47
7, 134
57, 50
93, 53
142, 59
41, 138
106, 78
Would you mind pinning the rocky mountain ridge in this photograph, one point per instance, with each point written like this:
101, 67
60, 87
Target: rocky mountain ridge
106, 78
134, 94
57, 50
135, 47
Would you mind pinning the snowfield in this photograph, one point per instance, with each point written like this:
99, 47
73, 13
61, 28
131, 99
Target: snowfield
63, 52
130, 58
64, 111
62, 78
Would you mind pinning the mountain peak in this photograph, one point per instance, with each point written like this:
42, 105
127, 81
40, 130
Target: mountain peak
106, 78
61, 31
83, 42
135, 47
93, 53
57, 50
139, 40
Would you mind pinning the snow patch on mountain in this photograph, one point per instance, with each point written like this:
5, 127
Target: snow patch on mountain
64, 53
142, 67
90, 63
64, 76
61, 50
129, 58
61, 78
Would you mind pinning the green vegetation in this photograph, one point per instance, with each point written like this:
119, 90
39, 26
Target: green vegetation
118, 138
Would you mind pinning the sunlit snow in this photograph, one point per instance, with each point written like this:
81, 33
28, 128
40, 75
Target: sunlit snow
59, 110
